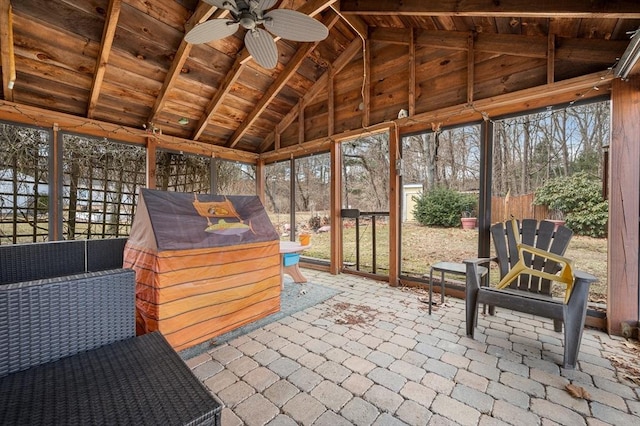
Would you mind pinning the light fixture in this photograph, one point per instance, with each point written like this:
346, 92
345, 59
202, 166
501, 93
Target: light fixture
183, 121
629, 57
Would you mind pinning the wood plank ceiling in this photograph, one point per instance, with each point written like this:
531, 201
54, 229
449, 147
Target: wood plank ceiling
125, 62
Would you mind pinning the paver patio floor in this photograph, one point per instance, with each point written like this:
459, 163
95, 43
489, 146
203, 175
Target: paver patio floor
373, 356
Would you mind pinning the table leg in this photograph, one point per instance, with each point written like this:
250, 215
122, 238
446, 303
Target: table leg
430, 289
295, 273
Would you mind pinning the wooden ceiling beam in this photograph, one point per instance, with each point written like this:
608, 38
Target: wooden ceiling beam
589, 50
311, 8
35, 116
454, 40
341, 61
629, 9
323, 144
6, 48
203, 12
575, 49
564, 91
522, 100
289, 70
108, 33
391, 35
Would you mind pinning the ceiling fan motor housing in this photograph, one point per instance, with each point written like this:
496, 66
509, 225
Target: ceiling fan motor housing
247, 20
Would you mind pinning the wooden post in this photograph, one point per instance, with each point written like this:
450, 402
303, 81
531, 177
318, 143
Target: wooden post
624, 202
55, 185
260, 180
336, 207
292, 198
484, 201
213, 175
395, 170
151, 162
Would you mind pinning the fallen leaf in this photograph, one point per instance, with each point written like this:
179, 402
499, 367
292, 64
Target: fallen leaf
578, 391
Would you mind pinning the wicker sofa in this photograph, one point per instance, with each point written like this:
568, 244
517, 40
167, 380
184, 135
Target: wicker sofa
27, 262
68, 350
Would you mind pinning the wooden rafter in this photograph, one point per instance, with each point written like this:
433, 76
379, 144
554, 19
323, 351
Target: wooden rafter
503, 8
356, 23
203, 12
282, 79
342, 60
311, 8
221, 93
6, 45
108, 33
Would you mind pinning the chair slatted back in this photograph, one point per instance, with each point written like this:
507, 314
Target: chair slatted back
536, 234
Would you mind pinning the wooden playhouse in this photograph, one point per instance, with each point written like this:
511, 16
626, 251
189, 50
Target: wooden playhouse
204, 264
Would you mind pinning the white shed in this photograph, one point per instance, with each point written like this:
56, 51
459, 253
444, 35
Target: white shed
409, 191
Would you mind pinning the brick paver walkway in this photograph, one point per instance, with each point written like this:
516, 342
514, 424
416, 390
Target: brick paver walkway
373, 356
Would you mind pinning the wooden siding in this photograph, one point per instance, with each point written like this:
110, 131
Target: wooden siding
192, 296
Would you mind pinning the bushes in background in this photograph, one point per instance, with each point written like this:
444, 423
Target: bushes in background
443, 207
579, 199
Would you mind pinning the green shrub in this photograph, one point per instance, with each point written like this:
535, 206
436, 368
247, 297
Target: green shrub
443, 207
579, 199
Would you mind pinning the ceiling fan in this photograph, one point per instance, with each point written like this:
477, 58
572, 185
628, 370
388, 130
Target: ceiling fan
248, 14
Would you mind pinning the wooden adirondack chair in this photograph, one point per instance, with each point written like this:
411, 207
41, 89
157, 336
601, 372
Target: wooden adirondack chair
529, 257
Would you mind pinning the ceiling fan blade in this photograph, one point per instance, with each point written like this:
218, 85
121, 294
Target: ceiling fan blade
262, 47
293, 25
223, 4
211, 30
262, 4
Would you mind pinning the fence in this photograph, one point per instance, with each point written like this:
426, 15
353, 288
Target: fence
521, 207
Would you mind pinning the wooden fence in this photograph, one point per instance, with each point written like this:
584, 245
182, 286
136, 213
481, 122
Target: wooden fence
521, 207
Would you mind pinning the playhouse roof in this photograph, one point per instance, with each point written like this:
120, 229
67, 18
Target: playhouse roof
168, 220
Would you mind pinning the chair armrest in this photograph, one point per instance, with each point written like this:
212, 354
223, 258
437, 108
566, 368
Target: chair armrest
472, 282
480, 260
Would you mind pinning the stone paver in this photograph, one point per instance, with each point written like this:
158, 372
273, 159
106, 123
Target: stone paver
256, 410
383, 398
331, 395
304, 408
281, 392
359, 412
408, 368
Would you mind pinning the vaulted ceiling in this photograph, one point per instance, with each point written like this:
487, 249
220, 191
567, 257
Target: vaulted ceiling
126, 63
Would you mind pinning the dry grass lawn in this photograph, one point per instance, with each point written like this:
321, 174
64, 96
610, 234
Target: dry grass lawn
423, 246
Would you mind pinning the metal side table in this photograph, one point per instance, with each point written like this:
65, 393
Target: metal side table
449, 268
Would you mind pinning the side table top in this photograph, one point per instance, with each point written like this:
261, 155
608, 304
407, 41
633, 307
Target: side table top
456, 268
292, 247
